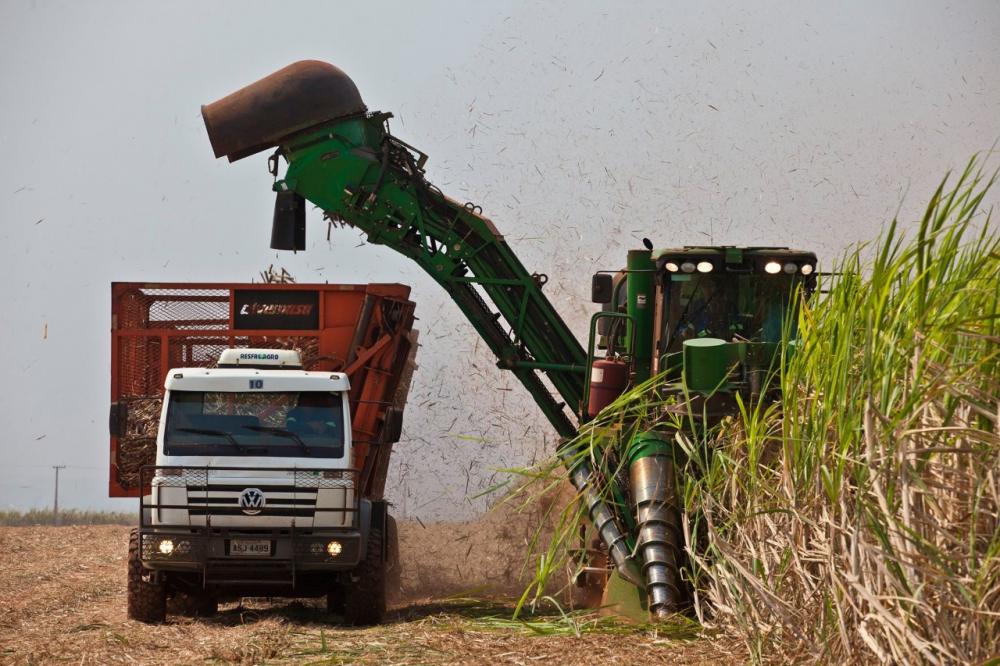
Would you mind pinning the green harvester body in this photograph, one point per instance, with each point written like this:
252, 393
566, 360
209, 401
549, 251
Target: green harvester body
710, 320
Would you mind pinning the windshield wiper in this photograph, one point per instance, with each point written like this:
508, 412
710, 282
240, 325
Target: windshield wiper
281, 432
214, 433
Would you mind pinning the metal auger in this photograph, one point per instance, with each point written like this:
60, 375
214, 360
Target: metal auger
660, 538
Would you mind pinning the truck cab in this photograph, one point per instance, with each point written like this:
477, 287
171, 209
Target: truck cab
253, 492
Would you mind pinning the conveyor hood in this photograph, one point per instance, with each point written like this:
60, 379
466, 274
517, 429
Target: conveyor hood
296, 98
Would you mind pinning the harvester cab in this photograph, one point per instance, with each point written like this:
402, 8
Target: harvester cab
714, 316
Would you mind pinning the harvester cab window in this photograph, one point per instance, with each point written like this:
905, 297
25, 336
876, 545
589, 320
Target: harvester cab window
727, 306
697, 307
279, 424
765, 305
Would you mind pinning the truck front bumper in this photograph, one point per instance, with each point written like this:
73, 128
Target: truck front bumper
214, 550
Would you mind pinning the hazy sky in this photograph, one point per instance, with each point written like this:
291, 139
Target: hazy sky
579, 127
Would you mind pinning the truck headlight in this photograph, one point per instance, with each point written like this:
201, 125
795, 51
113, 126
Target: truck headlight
772, 267
334, 548
166, 546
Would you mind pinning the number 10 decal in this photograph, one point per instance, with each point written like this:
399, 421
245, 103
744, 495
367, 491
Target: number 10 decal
256, 383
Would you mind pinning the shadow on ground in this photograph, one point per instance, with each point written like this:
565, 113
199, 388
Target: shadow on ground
309, 612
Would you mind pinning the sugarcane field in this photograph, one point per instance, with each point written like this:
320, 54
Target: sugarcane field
500, 333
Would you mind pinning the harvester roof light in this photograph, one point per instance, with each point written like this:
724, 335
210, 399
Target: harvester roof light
672, 267
705, 266
688, 267
772, 267
807, 269
791, 268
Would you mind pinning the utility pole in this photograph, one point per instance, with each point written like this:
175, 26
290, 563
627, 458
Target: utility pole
55, 504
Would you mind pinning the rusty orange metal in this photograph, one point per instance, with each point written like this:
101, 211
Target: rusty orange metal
362, 329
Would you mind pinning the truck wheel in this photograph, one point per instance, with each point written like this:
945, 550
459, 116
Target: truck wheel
364, 600
147, 601
393, 567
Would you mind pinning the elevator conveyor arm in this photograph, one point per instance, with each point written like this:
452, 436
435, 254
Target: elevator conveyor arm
360, 174
344, 160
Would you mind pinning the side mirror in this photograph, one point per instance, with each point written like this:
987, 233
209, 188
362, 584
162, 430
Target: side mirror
392, 428
288, 230
117, 419
602, 288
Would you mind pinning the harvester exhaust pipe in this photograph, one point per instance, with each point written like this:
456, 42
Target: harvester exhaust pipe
660, 538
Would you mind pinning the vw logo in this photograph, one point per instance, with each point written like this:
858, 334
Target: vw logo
252, 501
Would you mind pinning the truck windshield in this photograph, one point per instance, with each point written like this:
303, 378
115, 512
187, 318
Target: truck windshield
279, 424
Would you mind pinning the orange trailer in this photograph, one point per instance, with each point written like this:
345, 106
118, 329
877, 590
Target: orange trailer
363, 330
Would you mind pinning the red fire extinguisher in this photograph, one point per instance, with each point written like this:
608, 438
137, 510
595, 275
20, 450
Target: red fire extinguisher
608, 379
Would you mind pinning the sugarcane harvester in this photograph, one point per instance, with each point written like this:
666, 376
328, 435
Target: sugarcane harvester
710, 318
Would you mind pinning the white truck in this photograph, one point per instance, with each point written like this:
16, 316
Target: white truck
253, 494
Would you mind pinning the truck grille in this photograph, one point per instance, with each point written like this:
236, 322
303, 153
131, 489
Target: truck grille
224, 499
200, 496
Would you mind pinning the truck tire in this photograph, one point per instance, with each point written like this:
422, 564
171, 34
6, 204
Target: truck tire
147, 601
393, 567
364, 600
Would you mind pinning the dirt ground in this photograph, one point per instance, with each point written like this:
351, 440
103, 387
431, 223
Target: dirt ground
62, 599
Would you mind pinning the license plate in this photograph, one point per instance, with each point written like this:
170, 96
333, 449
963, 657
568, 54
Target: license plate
250, 547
